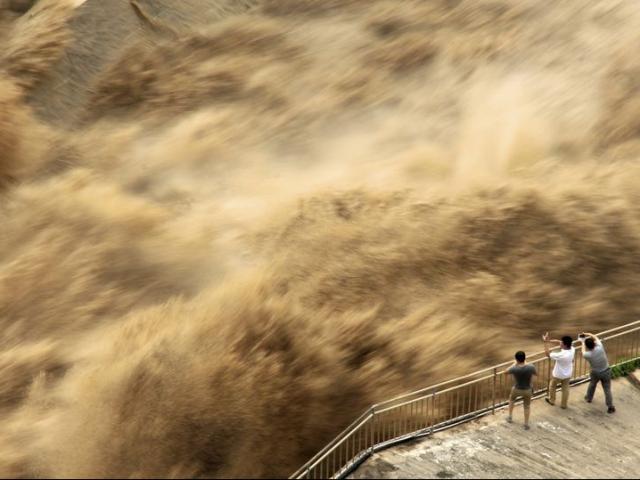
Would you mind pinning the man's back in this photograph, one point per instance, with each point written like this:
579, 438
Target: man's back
522, 375
564, 363
597, 357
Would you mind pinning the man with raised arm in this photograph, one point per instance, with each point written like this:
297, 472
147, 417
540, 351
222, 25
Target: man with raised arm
522, 373
563, 369
593, 351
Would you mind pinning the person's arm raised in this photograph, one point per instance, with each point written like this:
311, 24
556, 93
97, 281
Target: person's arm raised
545, 339
592, 335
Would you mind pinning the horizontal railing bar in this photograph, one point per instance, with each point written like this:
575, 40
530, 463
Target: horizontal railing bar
620, 334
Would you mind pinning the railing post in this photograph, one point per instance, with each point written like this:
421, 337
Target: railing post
495, 379
433, 404
373, 434
548, 376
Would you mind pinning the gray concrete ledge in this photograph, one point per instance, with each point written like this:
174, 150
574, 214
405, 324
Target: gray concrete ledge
583, 441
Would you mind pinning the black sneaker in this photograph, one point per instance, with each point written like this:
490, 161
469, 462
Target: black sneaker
587, 400
546, 399
611, 410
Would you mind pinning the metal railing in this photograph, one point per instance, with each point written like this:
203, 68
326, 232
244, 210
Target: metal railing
446, 404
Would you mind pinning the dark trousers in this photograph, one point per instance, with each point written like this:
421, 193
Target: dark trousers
605, 378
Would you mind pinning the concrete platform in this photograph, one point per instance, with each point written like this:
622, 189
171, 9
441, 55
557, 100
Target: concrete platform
580, 442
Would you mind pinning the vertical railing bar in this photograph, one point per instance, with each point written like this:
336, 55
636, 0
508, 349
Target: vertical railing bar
548, 376
396, 425
354, 447
495, 379
405, 418
345, 460
389, 424
407, 425
433, 411
436, 410
372, 439
424, 416
487, 397
455, 405
412, 417
394, 419
466, 399
333, 465
384, 425
474, 398
393, 425
487, 394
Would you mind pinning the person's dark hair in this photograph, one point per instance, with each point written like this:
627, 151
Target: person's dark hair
520, 356
589, 343
567, 341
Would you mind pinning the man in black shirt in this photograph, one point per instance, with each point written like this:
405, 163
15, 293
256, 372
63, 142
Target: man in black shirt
522, 373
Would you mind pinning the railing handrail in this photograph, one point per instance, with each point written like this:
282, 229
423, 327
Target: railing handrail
500, 365
421, 393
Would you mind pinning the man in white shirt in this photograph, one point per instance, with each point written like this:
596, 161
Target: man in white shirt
563, 369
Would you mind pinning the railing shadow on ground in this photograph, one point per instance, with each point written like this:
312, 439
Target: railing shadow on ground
428, 410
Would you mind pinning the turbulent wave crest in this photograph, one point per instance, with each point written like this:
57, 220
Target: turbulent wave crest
230, 226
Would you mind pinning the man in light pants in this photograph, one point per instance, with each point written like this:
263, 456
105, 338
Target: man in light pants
522, 373
593, 351
563, 369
